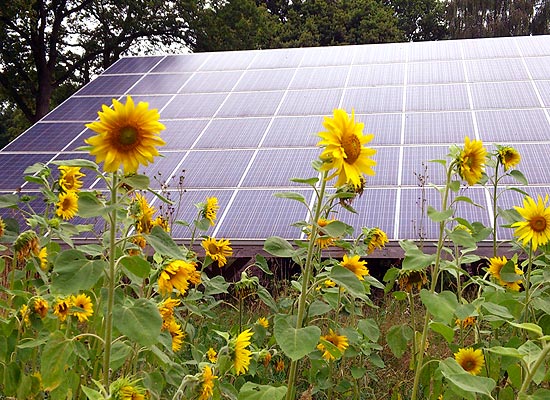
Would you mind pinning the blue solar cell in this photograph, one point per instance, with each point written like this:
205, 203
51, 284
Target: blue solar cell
194, 105
267, 168
293, 132
213, 169
233, 133
266, 79
489, 48
13, 166
508, 69
225, 61
257, 214
310, 102
160, 84
531, 46
277, 58
181, 63
158, 101
322, 56
373, 100
381, 53
376, 75
386, 128
435, 72
218, 81
109, 85
445, 127
504, 95
251, 104
181, 134
513, 125
539, 67
544, 89
133, 65
46, 137
387, 160
533, 164
163, 168
437, 98
78, 109
417, 165
431, 51
319, 78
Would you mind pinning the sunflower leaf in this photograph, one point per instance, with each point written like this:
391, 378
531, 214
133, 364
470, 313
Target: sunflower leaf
291, 196
254, 391
452, 371
74, 272
278, 247
295, 343
139, 320
518, 176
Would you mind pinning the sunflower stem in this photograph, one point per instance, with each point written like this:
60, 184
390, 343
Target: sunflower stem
290, 394
110, 286
495, 214
531, 372
528, 284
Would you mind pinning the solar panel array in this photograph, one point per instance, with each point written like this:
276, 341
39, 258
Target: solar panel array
240, 124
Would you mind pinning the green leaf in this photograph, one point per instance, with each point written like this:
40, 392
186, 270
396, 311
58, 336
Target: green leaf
139, 182
415, 259
120, 352
466, 199
369, 329
9, 200
441, 305
506, 351
438, 216
254, 391
358, 372
278, 247
497, 310
452, 371
398, 338
518, 176
344, 277
267, 299
163, 243
54, 360
89, 205
528, 326
462, 238
307, 181
215, 285
318, 307
446, 331
291, 196
508, 272
136, 265
295, 343
92, 394
139, 320
261, 263
77, 162
336, 229
74, 272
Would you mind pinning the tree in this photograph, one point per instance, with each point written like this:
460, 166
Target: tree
421, 19
54, 46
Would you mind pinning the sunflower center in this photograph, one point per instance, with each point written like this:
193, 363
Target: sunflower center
213, 249
538, 223
469, 365
127, 136
352, 147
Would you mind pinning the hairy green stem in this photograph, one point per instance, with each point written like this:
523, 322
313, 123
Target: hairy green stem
495, 214
528, 284
531, 373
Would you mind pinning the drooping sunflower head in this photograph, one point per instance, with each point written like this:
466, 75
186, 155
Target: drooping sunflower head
62, 308
496, 265
27, 243
166, 310
359, 268
280, 365
340, 341
209, 209
43, 257
470, 360
466, 322
212, 355
217, 250
25, 315
126, 389
241, 353
177, 335
67, 205
344, 150
508, 156
375, 238
127, 135
207, 383
535, 227
178, 274
471, 161
142, 213
162, 222
82, 307
69, 178
41, 306
411, 279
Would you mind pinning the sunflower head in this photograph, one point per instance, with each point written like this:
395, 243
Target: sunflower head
212, 355
505, 272
470, 360
207, 383
340, 341
2, 227
359, 268
375, 238
508, 157
209, 209
466, 322
217, 250
240, 352
262, 321
471, 161
322, 240
82, 307
142, 213
343, 149
127, 389
25, 315
535, 227
178, 274
69, 178
280, 365
166, 310
177, 335
127, 135
411, 279
62, 308
40, 307
67, 205
27, 243
43, 257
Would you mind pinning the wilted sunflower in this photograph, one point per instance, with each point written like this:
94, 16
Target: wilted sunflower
280, 365
41, 307
508, 157
209, 209
536, 227
177, 335
471, 161
207, 385
178, 274
27, 243
376, 239
354, 265
61, 308
470, 360
217, 250
343, 151
241, 354
466, 322
67, 205
340, 341
82, 307
126, 389
212, 355
69, 178
410, 279
127, 136
495, 266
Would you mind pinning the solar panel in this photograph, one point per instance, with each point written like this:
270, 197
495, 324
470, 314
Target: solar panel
239, 125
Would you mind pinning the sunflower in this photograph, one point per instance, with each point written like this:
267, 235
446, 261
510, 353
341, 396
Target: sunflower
376, 239
166, 310
43, 257
177, 335
142, 213
67, 206
241, 355
83, 305
280, 365
340, 341
470, 360
127, 135
27, 243
2, 227
262, 321
508, 157
25, 314
41, 307
209, 209
343, 151
536, 227
69, 178
495, 266
217, 250
471, 161
212, 355
130, 392
178, 274
207, 386
466, 322
61, 308
162, 222
322, 240
354, 265
410, 279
